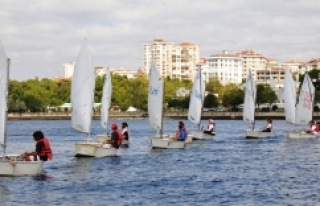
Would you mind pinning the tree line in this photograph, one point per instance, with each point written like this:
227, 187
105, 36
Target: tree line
35, 95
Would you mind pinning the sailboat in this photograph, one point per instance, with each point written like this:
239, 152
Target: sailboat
155, 112
11, 164
82, 99
302, 112
105, 106
196, 105
249, 109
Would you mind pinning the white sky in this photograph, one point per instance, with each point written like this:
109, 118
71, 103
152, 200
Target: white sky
41, 35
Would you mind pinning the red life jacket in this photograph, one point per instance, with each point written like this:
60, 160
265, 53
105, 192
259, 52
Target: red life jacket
120, 138
46, 151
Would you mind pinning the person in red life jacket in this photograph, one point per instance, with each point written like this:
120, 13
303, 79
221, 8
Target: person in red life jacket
116, 137
43, 148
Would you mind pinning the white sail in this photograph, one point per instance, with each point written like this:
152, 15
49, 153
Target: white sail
82, 90
249, 99
289, 97
3, 93
155, 98
196, 99
304, 107
106, 99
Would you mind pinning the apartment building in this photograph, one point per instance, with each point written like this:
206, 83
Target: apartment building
227, 68
130, 74
69, 68
173, 60
252, 60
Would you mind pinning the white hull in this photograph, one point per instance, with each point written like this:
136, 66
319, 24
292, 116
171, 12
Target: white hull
103, 137
300, 135
92, 149
11, 166
257, 134
166, 143
198, 135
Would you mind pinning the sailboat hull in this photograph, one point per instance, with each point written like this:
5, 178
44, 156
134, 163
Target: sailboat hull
166, 143
300, 135
257, 134
103, 137
198, 135
11, 166
92, 149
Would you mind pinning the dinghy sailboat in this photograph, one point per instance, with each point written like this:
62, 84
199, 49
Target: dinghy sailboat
302, 112
196, 105
155, 112
82, 99
11, 164
105, 106
249, 109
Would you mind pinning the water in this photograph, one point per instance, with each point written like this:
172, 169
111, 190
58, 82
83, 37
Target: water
228, 170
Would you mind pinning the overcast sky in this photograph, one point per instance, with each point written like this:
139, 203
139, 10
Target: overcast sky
41, 35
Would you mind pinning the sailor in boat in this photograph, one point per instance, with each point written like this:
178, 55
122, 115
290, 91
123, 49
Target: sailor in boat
182, 133
116, 138
313, 128
43, 148
125, 134
211, 128
268, 127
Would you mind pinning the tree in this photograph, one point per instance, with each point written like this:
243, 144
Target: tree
210, 101
233, 98
265, 94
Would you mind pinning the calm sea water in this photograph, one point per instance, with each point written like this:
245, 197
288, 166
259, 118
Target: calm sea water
228, 170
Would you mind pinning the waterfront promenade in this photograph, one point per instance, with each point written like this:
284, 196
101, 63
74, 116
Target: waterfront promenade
143, 115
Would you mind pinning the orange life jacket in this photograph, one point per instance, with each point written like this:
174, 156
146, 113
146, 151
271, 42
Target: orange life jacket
120, 138
46, 151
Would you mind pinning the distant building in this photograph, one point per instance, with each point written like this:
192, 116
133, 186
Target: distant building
252, 60
227, 68
69, 68
172, 60
130, 74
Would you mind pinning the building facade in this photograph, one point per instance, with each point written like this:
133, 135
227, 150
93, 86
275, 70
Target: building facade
68, 69
227, 68
172, 60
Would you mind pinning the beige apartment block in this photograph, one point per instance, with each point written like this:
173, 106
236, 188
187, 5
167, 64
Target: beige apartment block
252, 60
172, 60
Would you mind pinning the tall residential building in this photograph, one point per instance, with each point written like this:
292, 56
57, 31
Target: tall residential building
130, 74
252, 60
172, 60
68, 69
227, 68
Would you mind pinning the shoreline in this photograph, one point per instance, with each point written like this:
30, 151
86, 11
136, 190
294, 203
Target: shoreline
143, 115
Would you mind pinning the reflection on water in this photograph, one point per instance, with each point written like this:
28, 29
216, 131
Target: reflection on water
228, 170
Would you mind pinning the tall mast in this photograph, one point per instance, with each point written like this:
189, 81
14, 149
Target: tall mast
6, 108
201, 92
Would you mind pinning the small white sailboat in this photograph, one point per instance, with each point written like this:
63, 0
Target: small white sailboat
11, 164
155, 112
249, 109
105, 106
300, 113
82, 99
195, 106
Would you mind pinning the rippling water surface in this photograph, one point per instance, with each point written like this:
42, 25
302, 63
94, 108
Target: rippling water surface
228, 170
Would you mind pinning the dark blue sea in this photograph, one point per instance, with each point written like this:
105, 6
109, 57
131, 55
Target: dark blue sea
228, 170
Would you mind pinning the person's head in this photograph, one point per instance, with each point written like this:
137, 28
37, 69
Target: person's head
211, 121
37, 135
181, 123
114, 127
269, 121
124, 125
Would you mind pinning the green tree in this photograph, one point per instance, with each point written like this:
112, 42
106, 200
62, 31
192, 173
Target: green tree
233, 97
265, 94
210, 101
